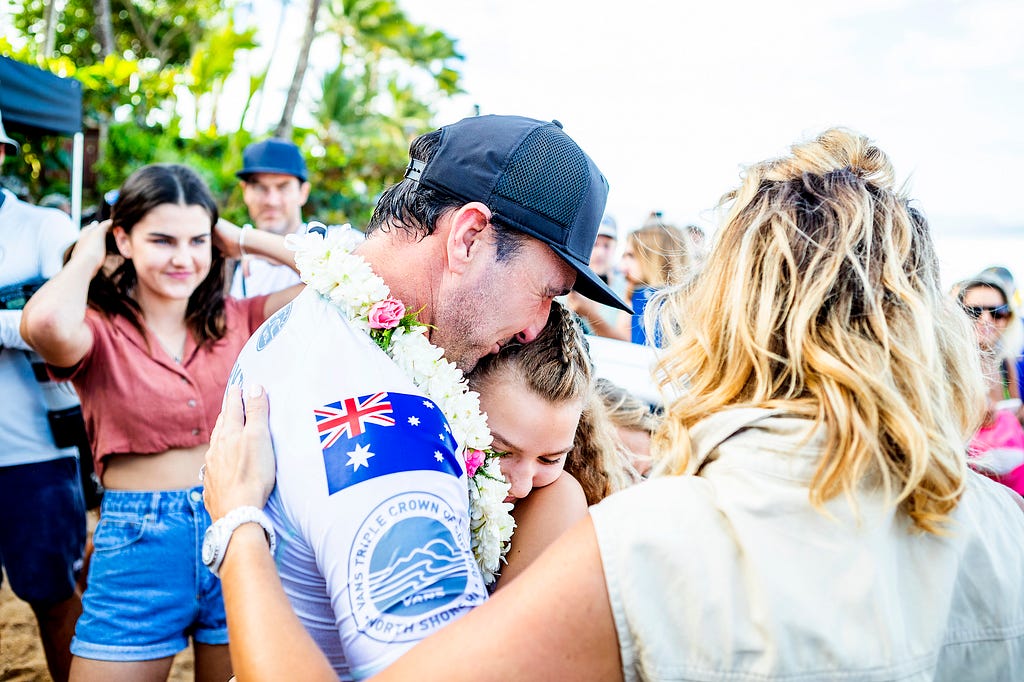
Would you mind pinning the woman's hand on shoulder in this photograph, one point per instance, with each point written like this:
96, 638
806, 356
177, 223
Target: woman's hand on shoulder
240, 465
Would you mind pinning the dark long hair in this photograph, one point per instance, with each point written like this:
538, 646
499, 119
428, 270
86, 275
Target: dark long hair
145, 189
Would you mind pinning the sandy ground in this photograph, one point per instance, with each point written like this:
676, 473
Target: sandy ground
21, 654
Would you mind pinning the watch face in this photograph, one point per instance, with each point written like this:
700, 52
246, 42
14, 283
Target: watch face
209, 547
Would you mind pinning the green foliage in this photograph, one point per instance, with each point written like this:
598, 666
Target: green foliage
164, 30
368, 111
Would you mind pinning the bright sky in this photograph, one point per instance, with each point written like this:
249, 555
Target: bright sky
672, 98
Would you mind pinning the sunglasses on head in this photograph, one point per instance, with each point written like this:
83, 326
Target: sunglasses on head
998, 312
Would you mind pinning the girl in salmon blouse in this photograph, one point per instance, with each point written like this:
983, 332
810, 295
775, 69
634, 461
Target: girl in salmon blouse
139, 322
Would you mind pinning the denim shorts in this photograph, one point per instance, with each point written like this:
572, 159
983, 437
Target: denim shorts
148, 589
42, 529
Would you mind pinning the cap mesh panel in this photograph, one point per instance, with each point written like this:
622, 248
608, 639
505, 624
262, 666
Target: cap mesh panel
548, 174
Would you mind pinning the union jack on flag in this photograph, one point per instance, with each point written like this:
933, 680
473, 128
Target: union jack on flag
350, 416
369, 436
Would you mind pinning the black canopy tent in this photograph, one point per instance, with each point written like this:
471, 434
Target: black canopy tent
36, 101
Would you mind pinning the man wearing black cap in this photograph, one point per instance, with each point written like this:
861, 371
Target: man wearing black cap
275, 187
42, 510
496, 216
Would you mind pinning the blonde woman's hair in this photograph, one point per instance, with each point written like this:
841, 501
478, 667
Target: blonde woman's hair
821, 297
663, 253
556, 366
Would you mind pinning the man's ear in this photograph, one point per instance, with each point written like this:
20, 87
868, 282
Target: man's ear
124, 244
303, 193
469, 236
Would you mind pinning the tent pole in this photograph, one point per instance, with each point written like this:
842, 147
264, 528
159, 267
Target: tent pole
77, 167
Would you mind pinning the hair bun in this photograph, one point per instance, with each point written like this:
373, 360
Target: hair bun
836, 150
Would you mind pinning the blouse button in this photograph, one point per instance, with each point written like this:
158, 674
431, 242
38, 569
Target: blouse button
191, 403
195, 432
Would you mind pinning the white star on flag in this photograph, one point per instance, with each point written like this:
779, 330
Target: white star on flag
446, 429
429, 404
438, 456
441, 436
358, 457
414, 421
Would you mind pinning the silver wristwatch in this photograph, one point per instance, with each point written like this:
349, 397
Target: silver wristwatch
218, 535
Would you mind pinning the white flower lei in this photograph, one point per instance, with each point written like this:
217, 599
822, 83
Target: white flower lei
328, 265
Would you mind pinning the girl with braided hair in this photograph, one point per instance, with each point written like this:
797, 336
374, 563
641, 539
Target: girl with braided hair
560, 450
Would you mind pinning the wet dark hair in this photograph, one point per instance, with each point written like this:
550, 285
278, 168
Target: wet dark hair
416, 209
145, 189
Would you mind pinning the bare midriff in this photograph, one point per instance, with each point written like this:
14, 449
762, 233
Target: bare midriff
173, 469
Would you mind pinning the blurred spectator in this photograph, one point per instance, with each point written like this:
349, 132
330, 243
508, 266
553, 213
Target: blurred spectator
603, 261
656, 255
15, 186
1013, 340
998, 447
57, 201
634, 422
42, 510
274, 189
602, 256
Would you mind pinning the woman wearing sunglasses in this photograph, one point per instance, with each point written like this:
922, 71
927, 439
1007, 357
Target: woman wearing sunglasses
997, 449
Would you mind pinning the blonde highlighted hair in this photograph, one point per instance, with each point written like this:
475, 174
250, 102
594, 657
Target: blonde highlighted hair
663, 253
821, 297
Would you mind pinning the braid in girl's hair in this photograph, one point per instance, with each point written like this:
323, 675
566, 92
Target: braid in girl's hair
556, 366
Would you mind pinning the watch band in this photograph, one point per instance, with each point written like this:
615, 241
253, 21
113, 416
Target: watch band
219, 534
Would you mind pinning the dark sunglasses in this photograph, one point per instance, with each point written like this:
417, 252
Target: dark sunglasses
998, 312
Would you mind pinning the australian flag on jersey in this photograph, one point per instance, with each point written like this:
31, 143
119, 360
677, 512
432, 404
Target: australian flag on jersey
384, 433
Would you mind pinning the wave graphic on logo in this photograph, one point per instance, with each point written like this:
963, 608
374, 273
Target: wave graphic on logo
421, 578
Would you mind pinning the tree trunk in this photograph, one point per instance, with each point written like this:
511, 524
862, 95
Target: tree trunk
284, 127
105, 36
104, 27
50, 21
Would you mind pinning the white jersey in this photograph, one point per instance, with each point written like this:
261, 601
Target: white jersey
371, 506
264, 278
32, 244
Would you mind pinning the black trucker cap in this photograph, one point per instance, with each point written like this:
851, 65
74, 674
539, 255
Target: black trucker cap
534, 178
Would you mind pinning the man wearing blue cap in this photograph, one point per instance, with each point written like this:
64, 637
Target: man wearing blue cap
275, 187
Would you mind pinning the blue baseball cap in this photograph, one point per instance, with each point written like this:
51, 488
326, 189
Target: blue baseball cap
273, 156
534, 178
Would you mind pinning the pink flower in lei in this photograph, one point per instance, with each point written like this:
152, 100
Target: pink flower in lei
474, 458
330, 268
386, 314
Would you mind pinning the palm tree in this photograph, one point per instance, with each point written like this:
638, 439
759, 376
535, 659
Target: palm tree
104, 27
284, 127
